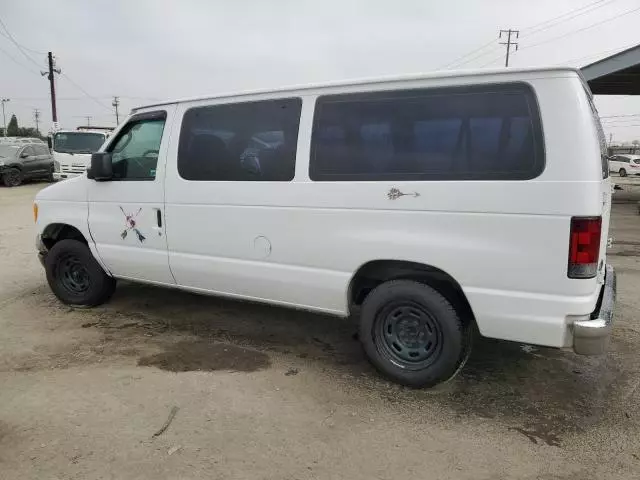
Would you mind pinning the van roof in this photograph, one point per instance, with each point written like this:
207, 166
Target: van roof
371, 81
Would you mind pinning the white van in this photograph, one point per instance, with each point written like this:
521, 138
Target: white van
72, 151
428, 205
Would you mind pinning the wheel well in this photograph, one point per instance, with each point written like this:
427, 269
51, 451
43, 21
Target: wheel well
372, 274
55, 232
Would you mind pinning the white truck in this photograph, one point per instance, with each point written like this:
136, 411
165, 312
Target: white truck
72, 149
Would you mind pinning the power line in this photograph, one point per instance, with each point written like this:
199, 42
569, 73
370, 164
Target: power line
18, 46
535, 26
26, 48
621, 115
17, 62
490, 62
573, 32
571, 15
606, 52
88, 95
466, 55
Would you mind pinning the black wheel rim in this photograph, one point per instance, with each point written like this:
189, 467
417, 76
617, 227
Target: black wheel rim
73, 275
408, 335
13, 177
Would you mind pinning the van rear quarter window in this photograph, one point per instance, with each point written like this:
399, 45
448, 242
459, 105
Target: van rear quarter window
490, 132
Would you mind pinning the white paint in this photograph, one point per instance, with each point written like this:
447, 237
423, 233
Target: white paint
504, 242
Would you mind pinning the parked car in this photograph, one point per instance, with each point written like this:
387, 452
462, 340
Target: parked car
427, 205
20, 162
625, 164
20, 140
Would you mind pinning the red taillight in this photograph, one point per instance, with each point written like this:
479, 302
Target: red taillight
584, 247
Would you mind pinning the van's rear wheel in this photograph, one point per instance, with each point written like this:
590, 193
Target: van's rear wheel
412, 334
75, 277
623, 172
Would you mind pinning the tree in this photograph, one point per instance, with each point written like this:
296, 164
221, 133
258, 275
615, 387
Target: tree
636, 142
12, 128
28, 132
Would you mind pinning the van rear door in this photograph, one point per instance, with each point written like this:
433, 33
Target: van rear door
605, 182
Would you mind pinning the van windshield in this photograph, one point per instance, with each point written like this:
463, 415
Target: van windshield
77, 142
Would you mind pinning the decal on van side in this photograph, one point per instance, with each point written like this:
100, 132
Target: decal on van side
131, 225
394, 194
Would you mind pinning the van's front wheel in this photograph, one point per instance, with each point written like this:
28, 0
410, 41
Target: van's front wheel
412, 334
75, 277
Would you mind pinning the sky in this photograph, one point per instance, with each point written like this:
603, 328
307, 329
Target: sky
149, 50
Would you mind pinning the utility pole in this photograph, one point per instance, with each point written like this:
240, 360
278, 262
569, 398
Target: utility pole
52, 86
4, 118
36, 117
610, 138
116, 103
509, 42
88, 117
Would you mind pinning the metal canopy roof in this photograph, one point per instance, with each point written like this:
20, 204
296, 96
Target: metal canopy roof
618, 74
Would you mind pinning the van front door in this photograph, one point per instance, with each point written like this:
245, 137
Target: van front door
126, 214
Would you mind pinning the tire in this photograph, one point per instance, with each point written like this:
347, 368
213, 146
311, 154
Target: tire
623, 172
75, 277
12, 177
412, 334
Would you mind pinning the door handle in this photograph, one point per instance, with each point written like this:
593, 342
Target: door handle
158, 226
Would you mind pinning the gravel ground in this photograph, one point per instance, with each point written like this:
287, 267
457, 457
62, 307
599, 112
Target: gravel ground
268, 393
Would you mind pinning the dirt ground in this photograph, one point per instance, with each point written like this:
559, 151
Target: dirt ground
268, 393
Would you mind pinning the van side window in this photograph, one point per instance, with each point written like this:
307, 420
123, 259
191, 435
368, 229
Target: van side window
253, 141
464, 133
135, 150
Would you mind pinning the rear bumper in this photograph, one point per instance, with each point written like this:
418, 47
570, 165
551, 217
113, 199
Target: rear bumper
591, 337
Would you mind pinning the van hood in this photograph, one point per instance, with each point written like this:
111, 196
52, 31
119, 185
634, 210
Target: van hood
72, 190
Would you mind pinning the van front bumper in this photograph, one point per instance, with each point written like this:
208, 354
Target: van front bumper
42, 249
591, 337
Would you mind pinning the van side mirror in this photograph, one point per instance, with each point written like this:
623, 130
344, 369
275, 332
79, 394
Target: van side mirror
101, 169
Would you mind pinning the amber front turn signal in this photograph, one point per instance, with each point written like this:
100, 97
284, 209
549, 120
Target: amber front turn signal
35, 212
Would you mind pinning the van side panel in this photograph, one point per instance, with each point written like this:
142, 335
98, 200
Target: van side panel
505, 242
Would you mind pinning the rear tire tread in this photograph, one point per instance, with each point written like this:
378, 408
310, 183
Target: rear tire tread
457, 334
